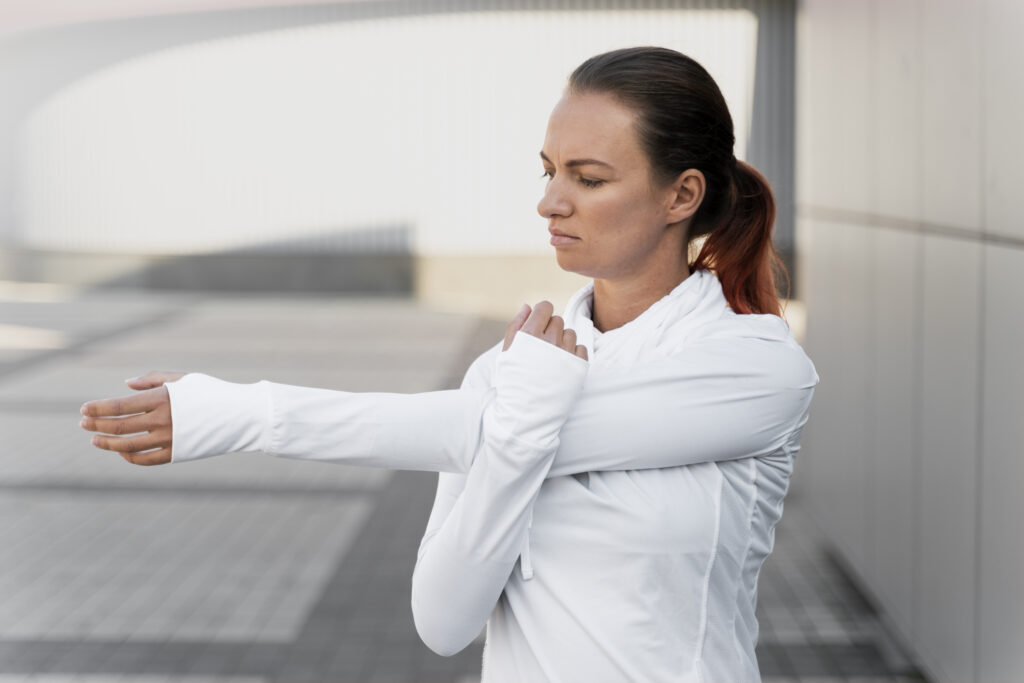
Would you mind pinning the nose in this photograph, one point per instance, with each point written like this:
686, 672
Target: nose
554, 201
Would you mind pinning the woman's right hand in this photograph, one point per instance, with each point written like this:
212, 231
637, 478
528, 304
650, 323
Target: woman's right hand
145, 416
542, 324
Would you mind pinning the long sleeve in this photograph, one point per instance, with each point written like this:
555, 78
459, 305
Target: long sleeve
473, 540
451, 484
718, 398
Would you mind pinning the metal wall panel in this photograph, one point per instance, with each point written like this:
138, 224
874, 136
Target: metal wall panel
1000, 551
945, 599
894, 419
941, 554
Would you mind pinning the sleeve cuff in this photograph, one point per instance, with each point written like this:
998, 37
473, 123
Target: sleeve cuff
210, 416
537, 384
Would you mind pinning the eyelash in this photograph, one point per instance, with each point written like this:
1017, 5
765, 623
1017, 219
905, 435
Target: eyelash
586, 182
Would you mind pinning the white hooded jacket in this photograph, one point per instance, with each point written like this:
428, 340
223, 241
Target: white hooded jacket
637, 491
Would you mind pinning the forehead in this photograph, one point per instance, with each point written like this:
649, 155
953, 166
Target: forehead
592, 125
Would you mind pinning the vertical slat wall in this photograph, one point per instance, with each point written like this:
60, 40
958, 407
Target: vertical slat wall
910, 159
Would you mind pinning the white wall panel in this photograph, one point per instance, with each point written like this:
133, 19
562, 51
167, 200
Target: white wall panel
936, 529
895, 119
821, 450
952, 113
834, 93
835, 441
1001, 556
1004, 112
893, 413
853, 438
945, 583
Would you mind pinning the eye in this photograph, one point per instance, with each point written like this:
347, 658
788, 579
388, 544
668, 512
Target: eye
586, 182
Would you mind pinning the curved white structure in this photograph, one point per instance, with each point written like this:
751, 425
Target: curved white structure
300, 135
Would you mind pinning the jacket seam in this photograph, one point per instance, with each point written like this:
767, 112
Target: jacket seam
705, 597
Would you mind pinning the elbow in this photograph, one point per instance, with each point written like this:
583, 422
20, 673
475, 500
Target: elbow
440, 633
443, 621
439, 644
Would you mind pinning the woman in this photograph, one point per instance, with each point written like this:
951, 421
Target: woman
631, 457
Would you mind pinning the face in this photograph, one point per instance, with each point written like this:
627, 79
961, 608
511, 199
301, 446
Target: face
600, 192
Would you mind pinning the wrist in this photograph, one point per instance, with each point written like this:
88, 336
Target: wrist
210, 416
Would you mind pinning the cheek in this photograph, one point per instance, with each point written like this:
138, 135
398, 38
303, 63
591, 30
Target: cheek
624, 220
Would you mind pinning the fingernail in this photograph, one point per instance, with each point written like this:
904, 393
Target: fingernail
130, 379
83, 411
82, 423
524, 309
95, 439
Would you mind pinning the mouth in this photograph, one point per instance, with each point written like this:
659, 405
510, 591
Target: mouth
561, 239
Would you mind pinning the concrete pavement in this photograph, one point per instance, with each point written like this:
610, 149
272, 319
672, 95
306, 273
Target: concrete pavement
248, 568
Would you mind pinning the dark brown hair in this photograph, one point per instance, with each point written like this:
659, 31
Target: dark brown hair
683, 122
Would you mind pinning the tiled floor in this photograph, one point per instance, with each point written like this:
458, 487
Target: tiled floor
246, 568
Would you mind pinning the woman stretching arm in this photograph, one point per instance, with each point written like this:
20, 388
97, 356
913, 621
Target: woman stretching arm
688, 364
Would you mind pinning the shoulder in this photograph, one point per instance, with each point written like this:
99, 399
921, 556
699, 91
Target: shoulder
761, 344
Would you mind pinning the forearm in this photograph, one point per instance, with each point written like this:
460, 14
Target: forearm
465, 560
473, 540
433, 431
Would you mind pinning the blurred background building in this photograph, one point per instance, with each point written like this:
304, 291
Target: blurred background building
368, 146
392, 147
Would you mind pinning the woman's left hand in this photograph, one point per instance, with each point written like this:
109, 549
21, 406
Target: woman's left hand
142, 421
542, 324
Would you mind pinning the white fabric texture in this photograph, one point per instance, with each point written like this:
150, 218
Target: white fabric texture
637, 492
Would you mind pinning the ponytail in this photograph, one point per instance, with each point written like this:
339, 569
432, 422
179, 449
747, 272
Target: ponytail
739, 250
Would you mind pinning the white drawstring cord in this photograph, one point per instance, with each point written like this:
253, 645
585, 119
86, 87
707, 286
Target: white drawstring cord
525, 566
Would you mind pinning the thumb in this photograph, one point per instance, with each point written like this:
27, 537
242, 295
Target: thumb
152, 379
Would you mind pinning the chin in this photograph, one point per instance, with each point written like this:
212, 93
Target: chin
573, 263
566, 261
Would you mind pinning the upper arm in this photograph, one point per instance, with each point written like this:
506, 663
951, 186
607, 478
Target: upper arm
716, 399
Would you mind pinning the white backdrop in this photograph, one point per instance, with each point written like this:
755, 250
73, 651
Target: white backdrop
301, 135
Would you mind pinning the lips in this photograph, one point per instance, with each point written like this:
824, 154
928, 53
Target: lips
559, 233
561, 239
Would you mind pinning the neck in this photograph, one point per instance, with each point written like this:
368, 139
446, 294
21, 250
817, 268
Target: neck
617, 302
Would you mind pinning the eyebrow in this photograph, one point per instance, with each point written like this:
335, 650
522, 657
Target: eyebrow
578, 162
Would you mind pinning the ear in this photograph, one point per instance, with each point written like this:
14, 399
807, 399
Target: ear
685, 195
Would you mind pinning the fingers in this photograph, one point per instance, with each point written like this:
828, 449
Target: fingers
568, 340
152, 379
554, 331
125, 405
123, 425
540, 322
145, 416
132, 444
538, 319
161, 456
515, 325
